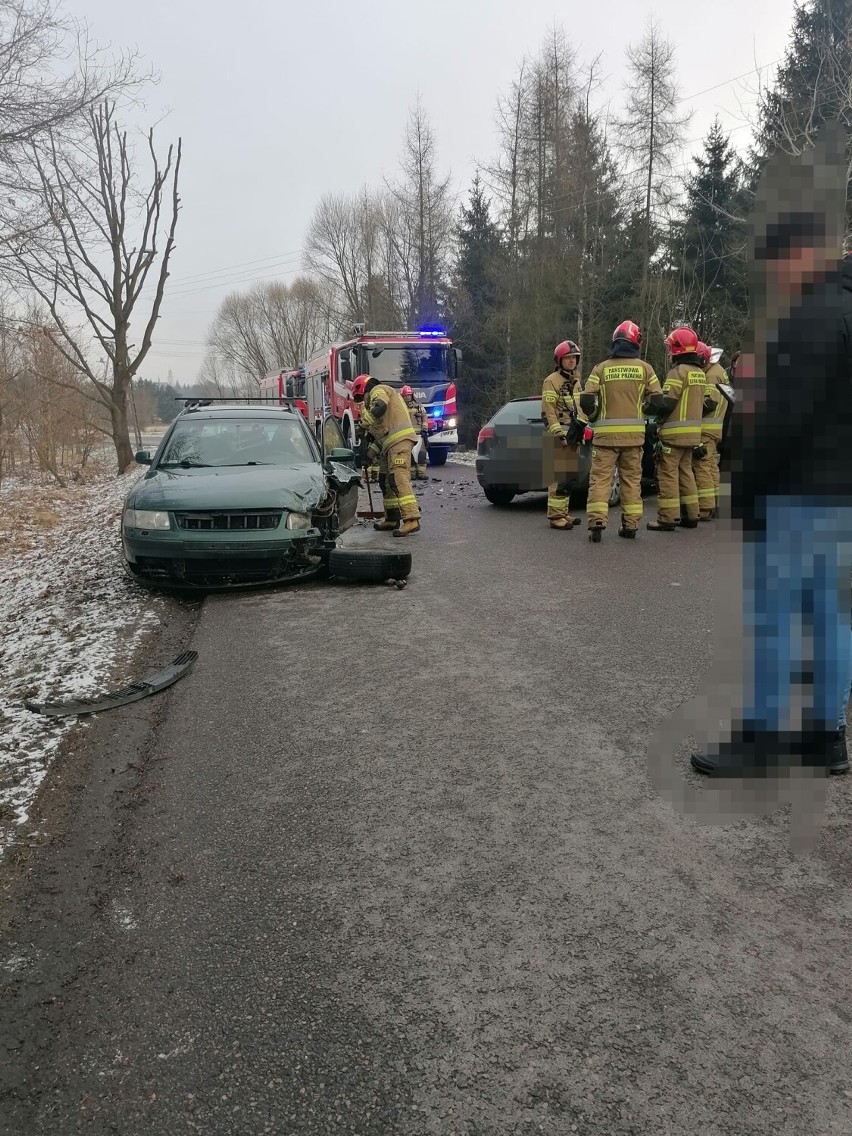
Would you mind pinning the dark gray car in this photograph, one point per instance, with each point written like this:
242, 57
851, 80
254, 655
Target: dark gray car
510, 456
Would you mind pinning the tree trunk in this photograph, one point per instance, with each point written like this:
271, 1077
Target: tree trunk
120, 426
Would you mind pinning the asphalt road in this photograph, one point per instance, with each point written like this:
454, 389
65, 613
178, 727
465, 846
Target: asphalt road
390, 862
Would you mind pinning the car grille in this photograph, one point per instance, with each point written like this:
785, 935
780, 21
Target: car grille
230, 522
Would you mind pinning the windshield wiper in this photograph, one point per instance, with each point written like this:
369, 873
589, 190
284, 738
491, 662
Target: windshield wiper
185, 464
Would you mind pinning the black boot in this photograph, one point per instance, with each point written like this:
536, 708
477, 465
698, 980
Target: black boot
839, 753
628, 534
596, 534
747, 753
689, 523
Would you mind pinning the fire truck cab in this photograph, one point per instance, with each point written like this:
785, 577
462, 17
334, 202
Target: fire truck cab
424, 360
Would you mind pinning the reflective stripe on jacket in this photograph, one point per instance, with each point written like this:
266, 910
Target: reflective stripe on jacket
394, 425
713, 422
682, 428
622, 386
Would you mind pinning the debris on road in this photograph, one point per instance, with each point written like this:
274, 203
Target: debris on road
143, 688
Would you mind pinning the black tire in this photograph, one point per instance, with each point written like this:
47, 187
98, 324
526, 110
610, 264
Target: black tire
437, 456
499, 495
368, 564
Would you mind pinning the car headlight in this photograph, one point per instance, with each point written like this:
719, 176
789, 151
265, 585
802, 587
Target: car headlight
450, 424
146, 519
298, 521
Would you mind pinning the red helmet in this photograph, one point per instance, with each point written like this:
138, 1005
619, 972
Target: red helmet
682, 341
566, 347
629, 331
703, 353
359, 386
407, 392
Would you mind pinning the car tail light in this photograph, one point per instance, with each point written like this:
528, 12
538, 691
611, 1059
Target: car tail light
450, 403
486, 434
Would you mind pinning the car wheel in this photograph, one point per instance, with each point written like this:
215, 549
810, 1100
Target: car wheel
615, 491
500, 495
368, 564
437, 456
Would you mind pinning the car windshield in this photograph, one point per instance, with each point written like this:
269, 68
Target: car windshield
422, 365
237, 441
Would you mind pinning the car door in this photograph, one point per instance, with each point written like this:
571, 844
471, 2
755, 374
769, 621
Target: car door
347, 492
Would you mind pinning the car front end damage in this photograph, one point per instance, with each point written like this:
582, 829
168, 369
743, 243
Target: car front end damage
203, 548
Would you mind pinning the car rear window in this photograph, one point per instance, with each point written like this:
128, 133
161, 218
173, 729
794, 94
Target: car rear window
525, 410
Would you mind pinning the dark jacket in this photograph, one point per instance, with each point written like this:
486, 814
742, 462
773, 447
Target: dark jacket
798, 439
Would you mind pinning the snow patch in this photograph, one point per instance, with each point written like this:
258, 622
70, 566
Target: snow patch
69, 619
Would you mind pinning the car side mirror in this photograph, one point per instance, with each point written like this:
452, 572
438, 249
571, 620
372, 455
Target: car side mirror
142, 457
341, 454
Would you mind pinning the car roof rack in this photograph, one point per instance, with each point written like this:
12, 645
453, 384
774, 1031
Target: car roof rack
196, 402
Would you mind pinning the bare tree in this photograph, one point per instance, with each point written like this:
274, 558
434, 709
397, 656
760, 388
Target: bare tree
105, 237
269, 327
51, 75
652, 128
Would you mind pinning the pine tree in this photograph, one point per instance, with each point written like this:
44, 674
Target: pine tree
476, 305
813, 84
709, 244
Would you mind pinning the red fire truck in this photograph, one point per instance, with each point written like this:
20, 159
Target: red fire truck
424, 360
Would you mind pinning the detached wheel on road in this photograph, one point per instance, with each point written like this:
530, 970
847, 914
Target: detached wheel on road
500, 495
438, 457
367, 564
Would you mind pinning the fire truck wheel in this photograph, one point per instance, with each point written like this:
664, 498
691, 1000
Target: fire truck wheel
367, 564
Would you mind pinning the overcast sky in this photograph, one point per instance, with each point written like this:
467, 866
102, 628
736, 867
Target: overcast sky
280, 102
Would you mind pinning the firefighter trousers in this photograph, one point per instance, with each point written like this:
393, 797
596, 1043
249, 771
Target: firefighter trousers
605, 461
707, 477
395, 482
677, 485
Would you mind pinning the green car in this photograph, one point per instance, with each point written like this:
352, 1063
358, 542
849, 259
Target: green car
239, 495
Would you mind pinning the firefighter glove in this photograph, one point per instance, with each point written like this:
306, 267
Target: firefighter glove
699, 452
588, 404
574, 433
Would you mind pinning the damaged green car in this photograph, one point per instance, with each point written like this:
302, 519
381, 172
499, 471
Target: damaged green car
239, 495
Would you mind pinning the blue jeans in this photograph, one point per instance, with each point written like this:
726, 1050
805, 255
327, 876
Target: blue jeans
798, 568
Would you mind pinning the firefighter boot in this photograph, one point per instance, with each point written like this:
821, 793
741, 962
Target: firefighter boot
628, 534
390, 521
408, 526
661, 526
596, 533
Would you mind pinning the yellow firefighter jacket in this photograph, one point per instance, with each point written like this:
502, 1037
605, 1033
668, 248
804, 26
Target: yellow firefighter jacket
419, 417
391, 427
687, 383
623, 385
714, 420
560, 396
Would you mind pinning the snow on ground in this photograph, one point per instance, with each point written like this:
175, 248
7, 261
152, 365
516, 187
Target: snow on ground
463, 457
69, 617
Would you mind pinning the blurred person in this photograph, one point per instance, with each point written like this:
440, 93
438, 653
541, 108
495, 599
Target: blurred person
792, 485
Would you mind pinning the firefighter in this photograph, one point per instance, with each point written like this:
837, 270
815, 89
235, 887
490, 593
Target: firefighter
420, 423
385, 420
614, 398
563, 431
705, 458
680, 408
